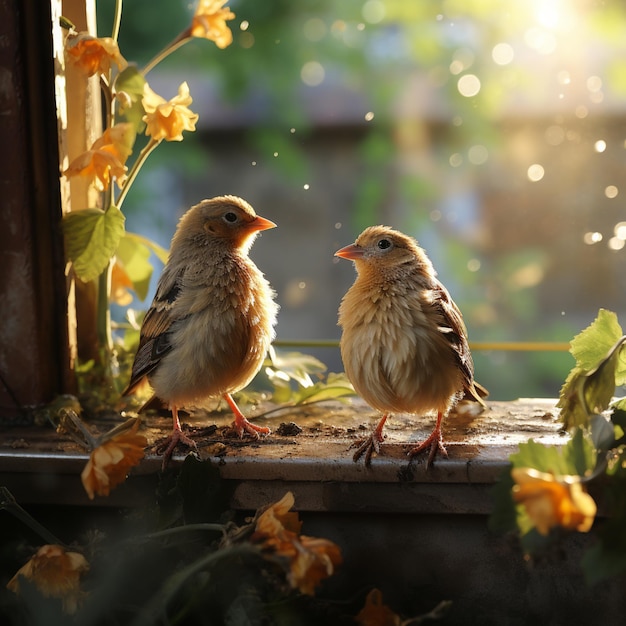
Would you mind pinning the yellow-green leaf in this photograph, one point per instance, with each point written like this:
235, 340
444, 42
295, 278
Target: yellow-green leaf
592, 345
598, 385
161, 253
91, 239
133, 255
129, 91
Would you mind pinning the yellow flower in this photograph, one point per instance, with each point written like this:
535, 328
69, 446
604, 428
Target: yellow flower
56, 573
167, 120
550, 502
106, 158
375, 613
93, 54
110, 462
310, 559
209, 22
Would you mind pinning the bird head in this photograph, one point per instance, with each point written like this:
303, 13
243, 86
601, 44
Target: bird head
228, 220
382, 248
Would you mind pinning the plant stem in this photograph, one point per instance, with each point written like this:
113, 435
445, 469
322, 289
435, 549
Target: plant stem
9, 503
143, 155
103, 313
180, 41
157, 605
117, 20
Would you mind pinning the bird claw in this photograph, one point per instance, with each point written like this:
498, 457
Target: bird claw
368, 446
169, 445
243, 425
435, 443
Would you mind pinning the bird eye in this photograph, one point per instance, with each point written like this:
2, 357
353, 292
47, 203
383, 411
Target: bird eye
383, 244
230, 217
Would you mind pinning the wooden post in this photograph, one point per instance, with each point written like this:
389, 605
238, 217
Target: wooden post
34, 346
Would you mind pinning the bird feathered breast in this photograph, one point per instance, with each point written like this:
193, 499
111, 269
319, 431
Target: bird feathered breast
404, 343
211, 321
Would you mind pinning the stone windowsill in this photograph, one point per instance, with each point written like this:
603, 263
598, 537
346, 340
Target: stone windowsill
41, 467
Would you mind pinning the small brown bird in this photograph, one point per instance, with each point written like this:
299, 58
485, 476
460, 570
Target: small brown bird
404, 343
212, 319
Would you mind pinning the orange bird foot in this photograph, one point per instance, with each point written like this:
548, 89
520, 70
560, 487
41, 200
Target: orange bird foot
371, 444
241, 425
434, 442
169, 445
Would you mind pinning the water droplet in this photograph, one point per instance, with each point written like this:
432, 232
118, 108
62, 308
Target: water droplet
600, 145
369, 116
306, 187
611, 191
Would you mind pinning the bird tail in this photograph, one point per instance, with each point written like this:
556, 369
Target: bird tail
475, 392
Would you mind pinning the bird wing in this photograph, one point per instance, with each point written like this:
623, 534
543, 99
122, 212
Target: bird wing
154, 341
454, 330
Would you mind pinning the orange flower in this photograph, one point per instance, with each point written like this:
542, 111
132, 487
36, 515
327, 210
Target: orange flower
375, 613
550, 502
93, 54
110, 462
105, 160
209, 22
167, 120
310, 559
120, 284
56, 573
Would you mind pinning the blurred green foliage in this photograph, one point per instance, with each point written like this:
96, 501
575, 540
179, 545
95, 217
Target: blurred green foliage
381, 49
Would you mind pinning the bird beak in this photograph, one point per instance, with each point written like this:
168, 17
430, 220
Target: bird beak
351, 252
260, 223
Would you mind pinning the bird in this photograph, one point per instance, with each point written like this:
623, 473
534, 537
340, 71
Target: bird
403, 343
211, 322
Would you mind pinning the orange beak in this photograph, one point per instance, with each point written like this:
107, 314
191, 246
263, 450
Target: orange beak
260, 223
351, 252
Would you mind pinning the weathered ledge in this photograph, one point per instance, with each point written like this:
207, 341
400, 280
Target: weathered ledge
42, 467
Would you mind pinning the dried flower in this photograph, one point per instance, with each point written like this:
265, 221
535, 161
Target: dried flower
167, 120
550, 502
93, 55
310, 559
56, 574
209, 22
375, 613
110, 462
106, 158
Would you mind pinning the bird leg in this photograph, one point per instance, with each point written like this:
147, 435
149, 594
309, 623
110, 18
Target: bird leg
241, 424
175, 438
434, 441
372, 443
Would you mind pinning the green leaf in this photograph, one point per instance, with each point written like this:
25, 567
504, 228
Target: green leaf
539, 457
599, 385
334, 387
296, 366
129, 91
600, 366
593, 344
573, 409
91, 239
161, 253
576, 458
579, 455
133, 255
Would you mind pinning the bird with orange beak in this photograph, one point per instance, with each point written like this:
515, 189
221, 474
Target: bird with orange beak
212, 319
404, 344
